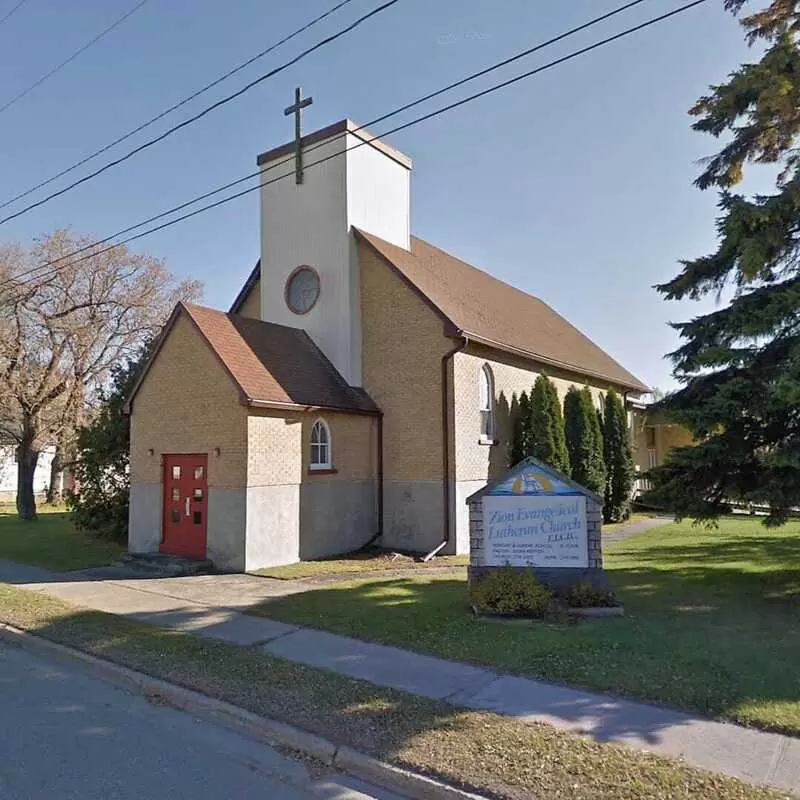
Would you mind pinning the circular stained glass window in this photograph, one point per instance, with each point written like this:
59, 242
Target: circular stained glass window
302, 290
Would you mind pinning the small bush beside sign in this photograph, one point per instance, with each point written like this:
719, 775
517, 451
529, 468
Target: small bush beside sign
509, 591
535, 541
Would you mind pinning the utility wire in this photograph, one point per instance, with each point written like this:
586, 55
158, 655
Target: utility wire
333, 37
377, 120
71, 58
14, 9
176, 106
416, 121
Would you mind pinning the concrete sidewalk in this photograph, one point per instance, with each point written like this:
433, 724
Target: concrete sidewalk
208, 606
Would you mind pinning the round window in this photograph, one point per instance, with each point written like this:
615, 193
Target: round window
302, 290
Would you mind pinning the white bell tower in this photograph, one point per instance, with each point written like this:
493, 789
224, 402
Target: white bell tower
313, 191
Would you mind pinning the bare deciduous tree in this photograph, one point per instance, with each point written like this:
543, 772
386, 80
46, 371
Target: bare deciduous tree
61, 332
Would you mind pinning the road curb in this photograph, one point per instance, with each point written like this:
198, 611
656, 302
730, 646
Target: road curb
227, 715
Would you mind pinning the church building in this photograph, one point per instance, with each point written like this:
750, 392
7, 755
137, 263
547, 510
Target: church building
358, 390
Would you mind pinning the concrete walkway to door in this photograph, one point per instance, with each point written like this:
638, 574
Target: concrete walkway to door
209, 606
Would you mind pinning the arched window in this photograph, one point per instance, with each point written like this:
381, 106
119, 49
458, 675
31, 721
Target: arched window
320, 445
487, 403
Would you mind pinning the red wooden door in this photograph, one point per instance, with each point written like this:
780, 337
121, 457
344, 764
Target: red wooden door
185, 505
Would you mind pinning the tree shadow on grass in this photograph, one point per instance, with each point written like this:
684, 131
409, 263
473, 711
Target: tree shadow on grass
721, 646
378, 719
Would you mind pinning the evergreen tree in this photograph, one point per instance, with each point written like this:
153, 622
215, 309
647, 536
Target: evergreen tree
740, 365
620, 473
99, 502
575, 433
561, 462
520, 445
542, 425
596, 466
584, 440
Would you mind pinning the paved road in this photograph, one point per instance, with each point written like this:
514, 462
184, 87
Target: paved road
66, 735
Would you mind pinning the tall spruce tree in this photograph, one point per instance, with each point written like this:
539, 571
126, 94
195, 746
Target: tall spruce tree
546, 432
620, 472
520, 444
740, 365
575, 431
561, 456
584, 440
596, 469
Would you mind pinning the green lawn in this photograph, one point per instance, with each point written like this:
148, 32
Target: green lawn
497, 756
366, 561
51, 541
375, 560
712, 623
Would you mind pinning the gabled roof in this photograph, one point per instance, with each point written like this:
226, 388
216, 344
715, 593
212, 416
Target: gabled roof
271, 365
252, 280
491, 312
533, 477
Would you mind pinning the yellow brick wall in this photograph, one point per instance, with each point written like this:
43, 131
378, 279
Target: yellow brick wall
275, 442
402, 348
279, 450
187, 403
252, 304
353, 446
474, 461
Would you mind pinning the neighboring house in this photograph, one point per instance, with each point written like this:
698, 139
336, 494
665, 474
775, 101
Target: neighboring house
8, 471
360, 388
653, 436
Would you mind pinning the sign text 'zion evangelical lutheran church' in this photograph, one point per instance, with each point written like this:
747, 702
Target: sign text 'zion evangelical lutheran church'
536, 531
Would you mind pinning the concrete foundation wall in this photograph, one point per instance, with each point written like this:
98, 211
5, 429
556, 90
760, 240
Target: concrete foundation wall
226, 529
336, 517
413, 515
273, 530
144, 518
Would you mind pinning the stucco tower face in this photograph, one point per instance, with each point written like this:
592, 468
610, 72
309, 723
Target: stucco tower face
309, 267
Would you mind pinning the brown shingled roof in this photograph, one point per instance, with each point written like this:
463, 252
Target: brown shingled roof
488, 310
271, 363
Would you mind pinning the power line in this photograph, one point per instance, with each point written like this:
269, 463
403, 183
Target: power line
71, 58
416, 121
376, 121
333, 37
194, 95
13, 10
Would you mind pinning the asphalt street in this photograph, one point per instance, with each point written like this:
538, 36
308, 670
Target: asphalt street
65, 735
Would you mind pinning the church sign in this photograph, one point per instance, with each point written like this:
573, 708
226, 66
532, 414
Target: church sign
535, 531
538, 519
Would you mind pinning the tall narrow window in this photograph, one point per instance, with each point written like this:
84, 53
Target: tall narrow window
320, 445
487, 403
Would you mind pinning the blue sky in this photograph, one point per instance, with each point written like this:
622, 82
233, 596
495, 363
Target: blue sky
575, 185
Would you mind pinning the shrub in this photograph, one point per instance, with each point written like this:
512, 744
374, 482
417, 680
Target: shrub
510, 591
584, 595
584, 439
99, 503
620, 472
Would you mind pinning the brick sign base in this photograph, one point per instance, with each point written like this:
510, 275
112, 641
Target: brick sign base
559, 579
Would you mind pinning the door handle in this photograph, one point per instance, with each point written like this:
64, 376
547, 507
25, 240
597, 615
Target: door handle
187, 507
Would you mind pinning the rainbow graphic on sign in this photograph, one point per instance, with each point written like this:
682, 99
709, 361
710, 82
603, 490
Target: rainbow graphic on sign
534, 478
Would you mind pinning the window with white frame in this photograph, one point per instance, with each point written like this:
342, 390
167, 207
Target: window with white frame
487, 403
320, 445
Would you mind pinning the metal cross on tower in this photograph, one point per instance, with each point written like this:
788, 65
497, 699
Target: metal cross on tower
297, 110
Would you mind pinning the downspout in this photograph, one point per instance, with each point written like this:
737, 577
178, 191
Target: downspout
446, 466
379, 526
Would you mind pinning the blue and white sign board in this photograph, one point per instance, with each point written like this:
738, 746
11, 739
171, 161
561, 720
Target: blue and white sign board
535, 517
